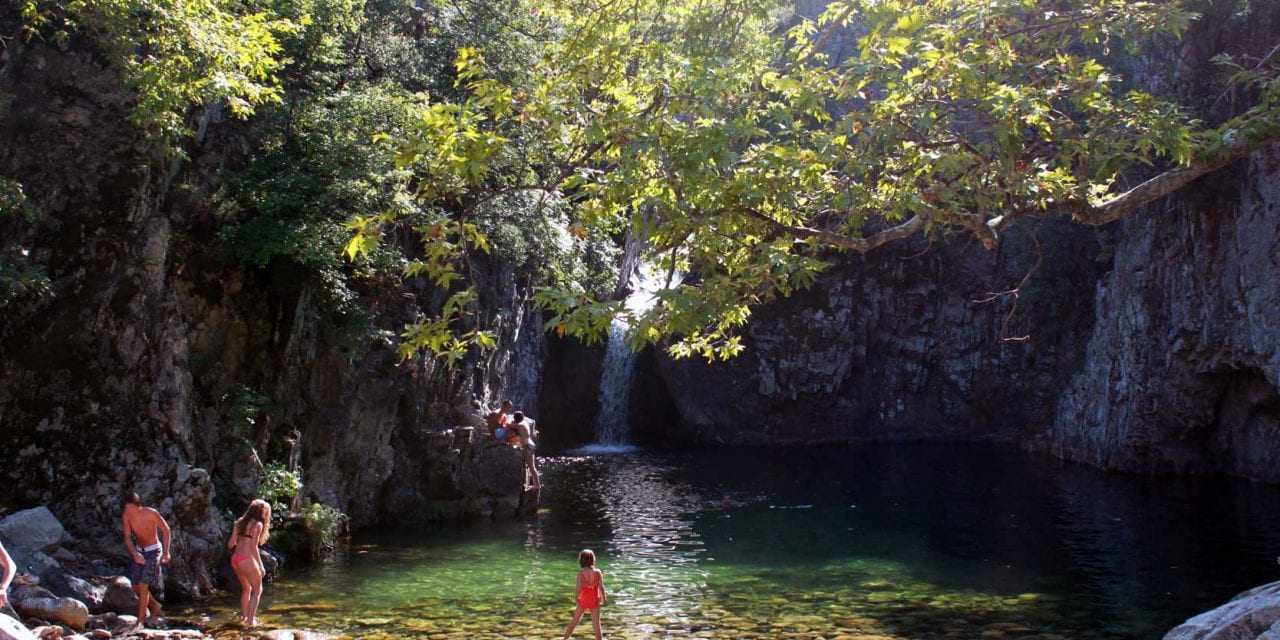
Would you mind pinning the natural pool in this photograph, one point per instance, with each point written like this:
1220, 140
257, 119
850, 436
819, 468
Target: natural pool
869, 542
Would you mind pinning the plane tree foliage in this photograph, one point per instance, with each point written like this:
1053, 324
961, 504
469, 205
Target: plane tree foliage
740, 153
720, 135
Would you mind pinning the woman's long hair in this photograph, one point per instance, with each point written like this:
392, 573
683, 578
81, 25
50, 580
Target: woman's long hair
258, 511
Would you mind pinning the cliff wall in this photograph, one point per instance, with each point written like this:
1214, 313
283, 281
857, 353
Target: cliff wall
1152, 344
140, 358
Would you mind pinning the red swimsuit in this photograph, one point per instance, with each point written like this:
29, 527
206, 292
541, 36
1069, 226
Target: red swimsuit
589, 595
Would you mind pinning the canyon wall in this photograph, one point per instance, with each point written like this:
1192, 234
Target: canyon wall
1152, 344
154, 364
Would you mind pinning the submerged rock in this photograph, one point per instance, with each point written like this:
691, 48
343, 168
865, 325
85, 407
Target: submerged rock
294, 634
1254, 614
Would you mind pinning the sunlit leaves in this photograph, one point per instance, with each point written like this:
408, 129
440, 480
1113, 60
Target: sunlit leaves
178, 54
735, 151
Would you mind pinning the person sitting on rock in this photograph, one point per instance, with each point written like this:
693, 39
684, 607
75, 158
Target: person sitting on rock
6, 575
497, 421
143, 529
524, 434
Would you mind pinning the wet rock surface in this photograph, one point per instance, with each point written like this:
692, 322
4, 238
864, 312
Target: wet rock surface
466, 476
568, 408
1254, 614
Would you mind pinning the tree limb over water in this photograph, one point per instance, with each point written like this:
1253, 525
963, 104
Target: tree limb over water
749, 153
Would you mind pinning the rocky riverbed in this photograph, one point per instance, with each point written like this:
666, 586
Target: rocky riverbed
73, 587
58, 593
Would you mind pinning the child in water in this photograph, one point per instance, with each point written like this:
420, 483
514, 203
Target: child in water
590, 593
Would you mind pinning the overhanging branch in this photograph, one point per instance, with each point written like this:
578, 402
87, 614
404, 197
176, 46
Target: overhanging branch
1175, 179
830, 238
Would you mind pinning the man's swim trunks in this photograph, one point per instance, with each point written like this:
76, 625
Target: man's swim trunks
150, 572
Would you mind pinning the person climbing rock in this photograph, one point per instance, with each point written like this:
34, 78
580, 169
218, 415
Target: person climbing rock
143, 529
524, 432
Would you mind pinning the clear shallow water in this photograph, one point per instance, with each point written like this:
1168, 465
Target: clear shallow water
871, 543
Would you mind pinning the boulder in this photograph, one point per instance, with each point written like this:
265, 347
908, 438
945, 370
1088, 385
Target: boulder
66, 611
1254, 614
123, 623
102, 621
119, 596
164, 634
11, 629
68, 586
22, 592
31, 561
36, 529
63, 554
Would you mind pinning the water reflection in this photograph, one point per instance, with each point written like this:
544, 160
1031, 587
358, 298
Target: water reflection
873, 542
652, 549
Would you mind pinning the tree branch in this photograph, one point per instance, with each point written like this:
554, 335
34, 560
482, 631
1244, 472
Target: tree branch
861, 245
1267, 132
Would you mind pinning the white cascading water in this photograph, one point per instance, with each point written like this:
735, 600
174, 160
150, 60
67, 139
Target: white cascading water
613, 427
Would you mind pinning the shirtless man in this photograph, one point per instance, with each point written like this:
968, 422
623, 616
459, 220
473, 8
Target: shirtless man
522, 428
148, 553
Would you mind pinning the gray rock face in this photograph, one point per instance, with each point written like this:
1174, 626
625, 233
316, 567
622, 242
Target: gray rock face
1151, 345
35, 529
456, 474
131, 374
1182, 371
893, 347
1254, 614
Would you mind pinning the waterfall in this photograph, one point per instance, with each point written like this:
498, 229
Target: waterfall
613, 424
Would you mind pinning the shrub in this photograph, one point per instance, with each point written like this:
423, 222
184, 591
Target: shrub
278, 487
325, 527
243, 404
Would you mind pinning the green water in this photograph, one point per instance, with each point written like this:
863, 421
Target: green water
870, 543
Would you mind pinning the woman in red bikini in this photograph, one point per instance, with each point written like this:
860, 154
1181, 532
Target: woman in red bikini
250, 531
590, 593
